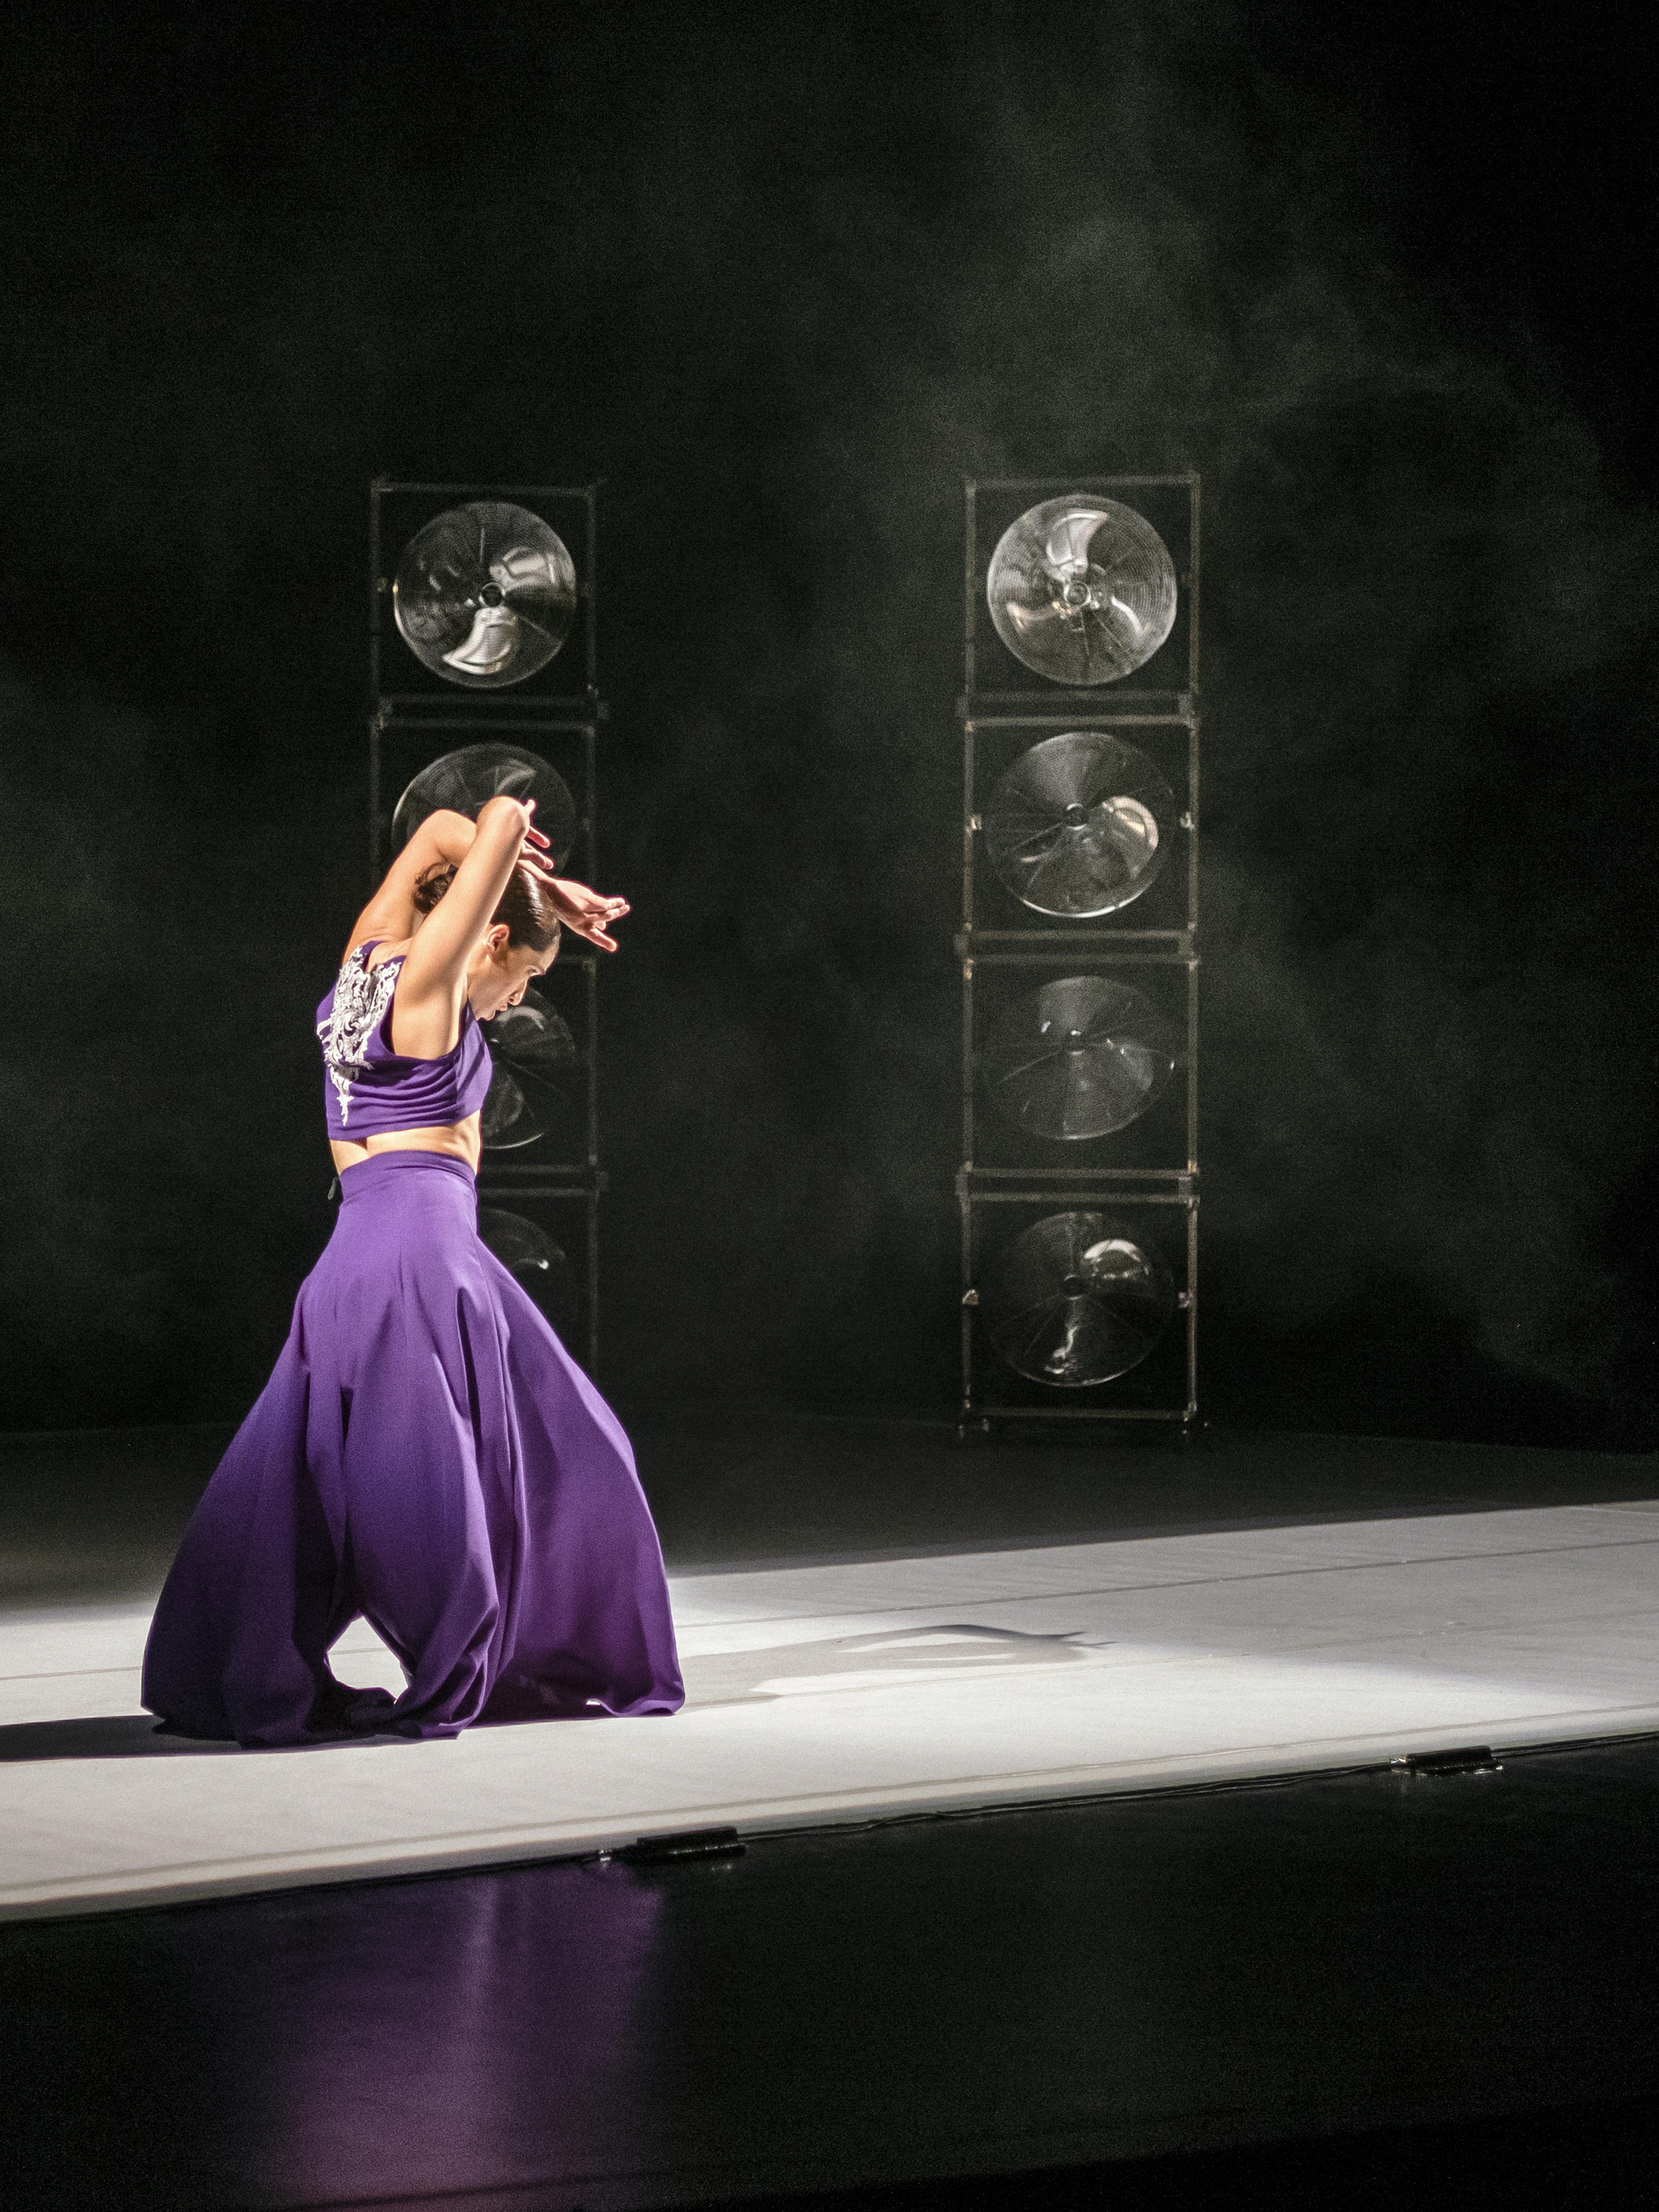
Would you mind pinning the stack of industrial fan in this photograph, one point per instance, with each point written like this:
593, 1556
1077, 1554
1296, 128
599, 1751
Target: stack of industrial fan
484, 596
1077, 1186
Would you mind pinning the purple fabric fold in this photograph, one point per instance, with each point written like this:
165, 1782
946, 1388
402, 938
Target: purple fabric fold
427, 1456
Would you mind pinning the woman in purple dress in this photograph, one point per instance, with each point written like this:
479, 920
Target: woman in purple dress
426, 1454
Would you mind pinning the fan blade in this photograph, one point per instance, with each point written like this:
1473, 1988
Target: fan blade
508, 1119
1082, 589
464, 781
538, 1264
1081, 825
1072, 1301
449, 597
488, 646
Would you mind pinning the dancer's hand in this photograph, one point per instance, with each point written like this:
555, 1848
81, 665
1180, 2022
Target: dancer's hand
533, 852
586, 913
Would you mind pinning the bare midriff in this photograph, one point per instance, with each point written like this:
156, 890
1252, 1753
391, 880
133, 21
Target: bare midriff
457, 1140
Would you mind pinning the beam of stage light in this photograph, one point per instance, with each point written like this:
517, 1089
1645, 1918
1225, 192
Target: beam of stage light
875, 1683
1081, 825
1081, 1057
1073, 1300
1082, 589
485, 594
464, 781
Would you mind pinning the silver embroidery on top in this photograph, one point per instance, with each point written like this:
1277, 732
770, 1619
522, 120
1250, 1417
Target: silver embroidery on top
361, 998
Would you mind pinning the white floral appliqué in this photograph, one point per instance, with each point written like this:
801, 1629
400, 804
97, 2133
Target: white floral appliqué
361, 996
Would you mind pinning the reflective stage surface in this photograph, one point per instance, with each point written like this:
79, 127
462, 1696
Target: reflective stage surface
993, 1993
834, 1691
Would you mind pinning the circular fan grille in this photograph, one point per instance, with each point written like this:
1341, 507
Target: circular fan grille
508, 1119
1073, 1300
1081, 825
1082, 589
1079, 1058
537, 1262
484, 594
465, 780
534, 1041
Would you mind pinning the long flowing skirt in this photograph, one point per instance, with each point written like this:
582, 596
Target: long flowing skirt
427, 1456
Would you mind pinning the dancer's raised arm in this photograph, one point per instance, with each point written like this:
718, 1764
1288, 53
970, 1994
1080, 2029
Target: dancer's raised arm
465, 947
436, 847
504, 835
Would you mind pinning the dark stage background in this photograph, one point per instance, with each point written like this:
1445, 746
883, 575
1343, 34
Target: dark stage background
780, 278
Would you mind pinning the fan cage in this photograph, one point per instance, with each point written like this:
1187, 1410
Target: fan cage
414, 718
1147, 1172
993, 676
569, 1111
398, 681
1161, 1145
568, 1210
1163, 1388
399, 749
1165, 912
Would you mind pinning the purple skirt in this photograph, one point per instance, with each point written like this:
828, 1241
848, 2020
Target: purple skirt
426, 1455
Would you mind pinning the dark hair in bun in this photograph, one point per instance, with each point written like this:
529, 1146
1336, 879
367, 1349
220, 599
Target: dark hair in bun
524, 906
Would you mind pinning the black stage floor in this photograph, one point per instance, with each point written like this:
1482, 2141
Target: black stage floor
1440, 1987
94, 1515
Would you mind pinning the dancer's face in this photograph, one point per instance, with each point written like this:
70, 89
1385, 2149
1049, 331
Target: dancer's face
499, 973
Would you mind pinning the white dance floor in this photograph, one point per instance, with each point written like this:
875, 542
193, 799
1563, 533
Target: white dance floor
834, 1691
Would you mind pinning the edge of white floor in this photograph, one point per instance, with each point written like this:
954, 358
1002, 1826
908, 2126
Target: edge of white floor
1260, 1766
1456, 1609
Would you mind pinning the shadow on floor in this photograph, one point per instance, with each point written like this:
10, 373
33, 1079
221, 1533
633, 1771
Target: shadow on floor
136, 1736
105, 1735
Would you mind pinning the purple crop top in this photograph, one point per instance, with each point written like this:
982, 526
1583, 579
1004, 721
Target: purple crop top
370, 1089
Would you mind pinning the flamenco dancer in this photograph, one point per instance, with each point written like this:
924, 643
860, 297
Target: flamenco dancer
426, 1452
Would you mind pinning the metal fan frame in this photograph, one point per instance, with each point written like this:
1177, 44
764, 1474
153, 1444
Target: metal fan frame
1036, 617
569, 682
1000, 1155
1162, 915
557, 712
507, 1213
1136, 775
1163, 1388
993, 677
557, 606
1105, 1226
559, 852
994, 1193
